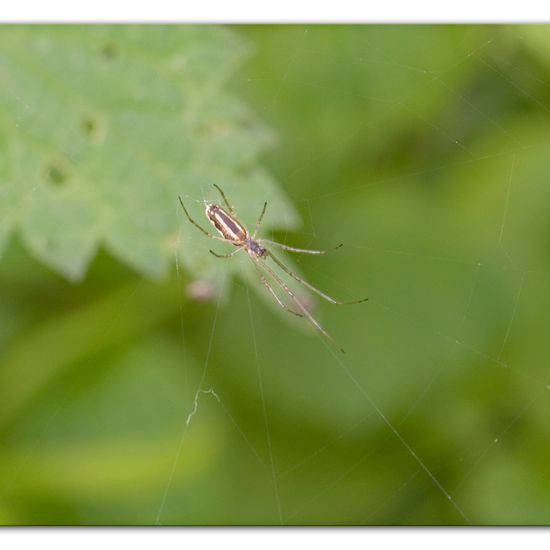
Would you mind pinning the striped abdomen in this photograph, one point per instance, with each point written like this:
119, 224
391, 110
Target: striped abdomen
228, 227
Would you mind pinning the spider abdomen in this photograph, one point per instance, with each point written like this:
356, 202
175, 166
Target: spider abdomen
227, 226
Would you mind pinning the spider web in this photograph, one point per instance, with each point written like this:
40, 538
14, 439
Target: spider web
459, 347
311, 436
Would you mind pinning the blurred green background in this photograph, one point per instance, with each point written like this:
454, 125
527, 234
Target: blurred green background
144, 382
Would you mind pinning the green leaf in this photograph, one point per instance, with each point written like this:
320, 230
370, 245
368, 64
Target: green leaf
102, 127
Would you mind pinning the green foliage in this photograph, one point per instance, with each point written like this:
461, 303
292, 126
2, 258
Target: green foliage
102, 127
423, 148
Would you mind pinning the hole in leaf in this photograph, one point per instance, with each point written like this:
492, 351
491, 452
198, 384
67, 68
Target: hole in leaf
109, 51
93, 127
56, 174
89, 125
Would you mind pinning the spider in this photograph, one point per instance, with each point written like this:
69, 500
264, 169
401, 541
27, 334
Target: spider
232, 231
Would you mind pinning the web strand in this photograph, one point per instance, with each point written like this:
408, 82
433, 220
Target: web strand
397, 434
264, 411
189, 416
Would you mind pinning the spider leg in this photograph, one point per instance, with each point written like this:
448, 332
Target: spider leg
259, 221
198, 226
273, 293
231, 211
225, 255
292, 296
311, 287
294, 249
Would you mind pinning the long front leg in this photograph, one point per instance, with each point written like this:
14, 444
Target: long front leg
225, 255
259, 221
273, 293
198, 226
311, 287
230, 208
294, 249
300, 306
